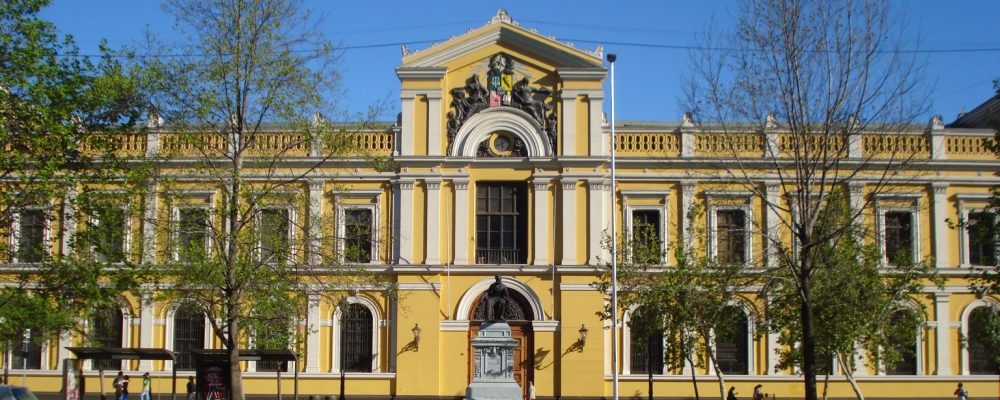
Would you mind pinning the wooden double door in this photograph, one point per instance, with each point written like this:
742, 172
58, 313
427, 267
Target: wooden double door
523, 354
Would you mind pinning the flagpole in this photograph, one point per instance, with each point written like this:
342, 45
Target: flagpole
614, 244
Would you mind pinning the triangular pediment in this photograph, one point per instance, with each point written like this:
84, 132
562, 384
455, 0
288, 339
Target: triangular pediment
503, 31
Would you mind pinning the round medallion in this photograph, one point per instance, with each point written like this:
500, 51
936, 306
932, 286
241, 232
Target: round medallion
501, 143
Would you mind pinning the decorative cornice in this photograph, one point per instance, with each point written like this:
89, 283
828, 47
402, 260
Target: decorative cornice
571, 185
414, 286
433, 185
451, 325
581, 74
940, 187
421, 72
545, 326
461, 184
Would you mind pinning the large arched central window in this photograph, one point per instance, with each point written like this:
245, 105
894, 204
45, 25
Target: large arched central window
189, 333
108, 333
732, 344
356, 334
646, 343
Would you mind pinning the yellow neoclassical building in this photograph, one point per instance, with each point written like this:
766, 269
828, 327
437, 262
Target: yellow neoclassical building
503, 168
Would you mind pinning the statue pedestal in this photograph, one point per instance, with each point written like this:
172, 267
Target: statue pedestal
493, 378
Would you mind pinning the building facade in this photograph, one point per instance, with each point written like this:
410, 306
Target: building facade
503, 168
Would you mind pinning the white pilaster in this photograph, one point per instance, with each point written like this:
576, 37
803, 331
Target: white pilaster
462, 222
595, 218
433, 222
568, 141
598, 140
434, 124
569, 222
771, 358
771, 219
69, 223
403, 221
65, 340
541, 218
939, 225
404, 143
687, 202
942, 342
149, 227
146, 332
315, 221
312, 335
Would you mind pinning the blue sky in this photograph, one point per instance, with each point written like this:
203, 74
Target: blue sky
647, 78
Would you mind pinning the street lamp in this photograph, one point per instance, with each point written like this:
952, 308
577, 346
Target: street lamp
583, 335
614, 243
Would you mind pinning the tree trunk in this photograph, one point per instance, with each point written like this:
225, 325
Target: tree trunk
826, 384
808, 340
235, 373
849, 373
719, 374
694, 377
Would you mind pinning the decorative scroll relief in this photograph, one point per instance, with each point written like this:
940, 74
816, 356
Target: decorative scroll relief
502, 89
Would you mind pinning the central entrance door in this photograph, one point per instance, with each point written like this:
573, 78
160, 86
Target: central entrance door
519, 319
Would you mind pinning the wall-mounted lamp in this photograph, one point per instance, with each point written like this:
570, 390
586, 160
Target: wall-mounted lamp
416, 335
583, 335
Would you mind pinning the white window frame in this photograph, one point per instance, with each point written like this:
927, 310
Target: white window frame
169, 324
915, 228
966, 369
126, 208
374, 197
918, 344
963, 212
663, 196
751, 344
258, 222
377, 323
14, 238
206, 201
627, 345
746, 206
128, 320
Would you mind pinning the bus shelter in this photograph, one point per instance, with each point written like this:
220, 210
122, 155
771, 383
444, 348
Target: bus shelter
213, 370
120, 353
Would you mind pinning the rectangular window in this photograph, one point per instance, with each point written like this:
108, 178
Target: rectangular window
501, 223
274, 234
31, 236
730, 236
358, 235
192, 234
33, 359
646, 237
898, 236
982, 238
112, 231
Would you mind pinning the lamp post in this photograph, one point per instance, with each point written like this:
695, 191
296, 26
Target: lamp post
614, 243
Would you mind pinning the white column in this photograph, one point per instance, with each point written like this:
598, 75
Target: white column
943, 342
404, 143
598, 140
569, 222
687, 201
771, 358
462, 222
860, 369
940, 226
433, 222
434, 124
312, 334
65, 340
149, 226
315, 221
771, 221
403, 221
568, 142
146, 332
595, 218
69, 222
541, 219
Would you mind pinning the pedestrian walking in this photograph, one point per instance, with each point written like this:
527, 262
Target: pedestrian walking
961, 392
117, 384
191, 388
125, 388
146, 384
730, 396
758, 394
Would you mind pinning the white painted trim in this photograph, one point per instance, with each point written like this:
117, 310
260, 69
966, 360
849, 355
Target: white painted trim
480, 126
175, 219
453, 325
342, 229
413, 286
15, 230
748, 221
663, 208
964, 367
335, 336
468, 300
168, 332
545, 326
914, 212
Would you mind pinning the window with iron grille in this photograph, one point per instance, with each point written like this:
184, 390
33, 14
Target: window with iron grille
192, 234
189, 333
730, 236
356, 338
274, 234
731, 348
907, 348
112, 232
501, 223
646, 347
31, 236
981, 362
646, 236
898, 236
982, 246
273, 334
358, 235
34, 358
108, 333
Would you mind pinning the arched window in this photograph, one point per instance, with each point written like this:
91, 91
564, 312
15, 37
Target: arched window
983, 324
108, 333
645, 343
189, 333
732, 344
356, 324
906, 345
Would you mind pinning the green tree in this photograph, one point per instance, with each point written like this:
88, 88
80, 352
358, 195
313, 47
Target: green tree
244, 101
62, 118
